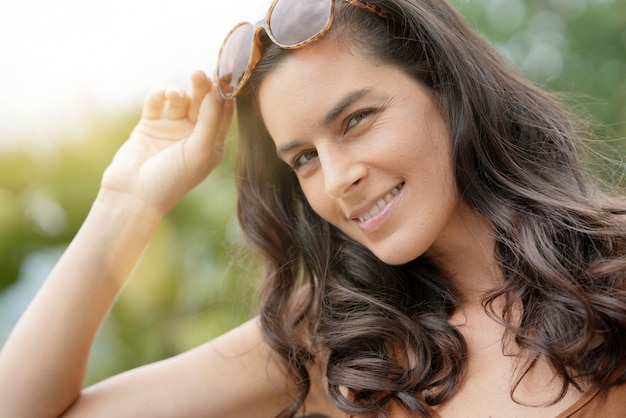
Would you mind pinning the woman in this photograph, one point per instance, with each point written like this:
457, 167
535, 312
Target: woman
433, 246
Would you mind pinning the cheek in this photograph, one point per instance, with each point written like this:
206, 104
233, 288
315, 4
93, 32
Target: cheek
321, 203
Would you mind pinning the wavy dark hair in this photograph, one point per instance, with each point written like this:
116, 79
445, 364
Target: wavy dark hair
384, 329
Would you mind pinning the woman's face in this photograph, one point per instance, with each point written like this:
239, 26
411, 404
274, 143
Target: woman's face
369, 146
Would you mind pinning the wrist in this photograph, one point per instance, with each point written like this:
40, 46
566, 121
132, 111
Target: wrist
113, 237
127, 207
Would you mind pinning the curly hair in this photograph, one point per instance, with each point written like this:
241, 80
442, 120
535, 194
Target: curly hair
384, 329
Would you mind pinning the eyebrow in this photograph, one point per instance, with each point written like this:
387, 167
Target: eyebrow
288, 147
341, 105
329, 118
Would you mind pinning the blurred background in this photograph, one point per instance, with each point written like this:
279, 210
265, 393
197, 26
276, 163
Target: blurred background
73, 76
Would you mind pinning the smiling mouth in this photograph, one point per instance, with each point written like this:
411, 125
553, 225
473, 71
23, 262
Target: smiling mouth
380, 205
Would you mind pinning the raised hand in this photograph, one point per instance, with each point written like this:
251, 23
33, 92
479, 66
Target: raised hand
179, 140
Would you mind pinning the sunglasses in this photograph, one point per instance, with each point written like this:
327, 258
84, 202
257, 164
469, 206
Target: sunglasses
290, 24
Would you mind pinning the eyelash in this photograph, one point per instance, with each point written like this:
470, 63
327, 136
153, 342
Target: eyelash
296, 164
358, 116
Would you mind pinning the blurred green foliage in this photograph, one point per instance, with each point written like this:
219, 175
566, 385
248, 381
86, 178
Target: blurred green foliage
193, 283
576, 46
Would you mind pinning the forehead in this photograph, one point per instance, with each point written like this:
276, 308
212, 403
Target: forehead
311, 79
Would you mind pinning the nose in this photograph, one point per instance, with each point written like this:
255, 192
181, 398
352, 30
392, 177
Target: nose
342, 171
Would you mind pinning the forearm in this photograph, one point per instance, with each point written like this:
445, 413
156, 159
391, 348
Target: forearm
43, 362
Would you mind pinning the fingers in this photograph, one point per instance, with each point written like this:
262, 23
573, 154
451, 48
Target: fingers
209, 114
178, 103
154, 105
215, 113
201, 85
175, 103
210, 133
172, 103
218, 143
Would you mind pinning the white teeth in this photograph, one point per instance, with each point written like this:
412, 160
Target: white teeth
380, 205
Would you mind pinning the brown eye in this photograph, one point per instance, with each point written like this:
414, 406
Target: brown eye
303, 158
356, 118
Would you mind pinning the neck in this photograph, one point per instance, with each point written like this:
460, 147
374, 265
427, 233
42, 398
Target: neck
466, 256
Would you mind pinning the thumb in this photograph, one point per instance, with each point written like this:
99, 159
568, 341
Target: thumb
207, 142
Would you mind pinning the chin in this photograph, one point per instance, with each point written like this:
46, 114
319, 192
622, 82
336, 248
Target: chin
395, 258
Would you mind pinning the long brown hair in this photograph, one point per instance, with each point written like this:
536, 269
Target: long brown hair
384, 329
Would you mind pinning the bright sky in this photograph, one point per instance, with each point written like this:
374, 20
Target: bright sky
59, 58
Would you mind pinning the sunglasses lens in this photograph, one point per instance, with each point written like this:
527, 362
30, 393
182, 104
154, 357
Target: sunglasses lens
234, 58
293, 22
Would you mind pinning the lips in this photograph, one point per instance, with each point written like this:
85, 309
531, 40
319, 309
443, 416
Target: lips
381, 204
